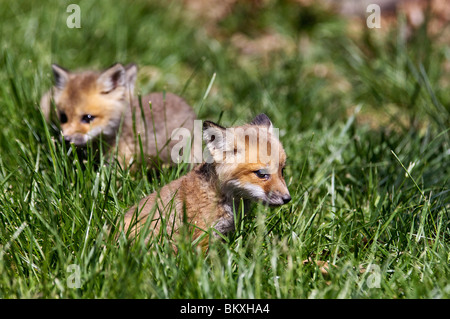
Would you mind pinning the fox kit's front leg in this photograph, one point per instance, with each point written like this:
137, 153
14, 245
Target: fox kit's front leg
223, 226
209, 196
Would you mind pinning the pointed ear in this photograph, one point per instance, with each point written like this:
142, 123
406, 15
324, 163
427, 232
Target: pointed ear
111, 78
213, 133
216, 140
263, 120
131, 75
61, 76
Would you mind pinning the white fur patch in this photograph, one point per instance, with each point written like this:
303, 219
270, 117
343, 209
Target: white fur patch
93, 133
248, 189
109, 130
254, 190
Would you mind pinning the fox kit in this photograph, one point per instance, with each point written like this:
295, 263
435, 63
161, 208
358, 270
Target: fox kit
244, 162
90, 104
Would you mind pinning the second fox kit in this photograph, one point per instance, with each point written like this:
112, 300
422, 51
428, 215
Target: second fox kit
90, 104
209, 194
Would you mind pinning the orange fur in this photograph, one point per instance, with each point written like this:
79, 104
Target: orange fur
207, 196
107, 98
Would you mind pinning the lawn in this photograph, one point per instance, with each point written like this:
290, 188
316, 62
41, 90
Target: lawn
364, 117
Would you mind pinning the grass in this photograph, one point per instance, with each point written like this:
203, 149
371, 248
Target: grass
364, 120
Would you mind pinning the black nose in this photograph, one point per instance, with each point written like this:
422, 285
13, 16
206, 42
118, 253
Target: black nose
286, 199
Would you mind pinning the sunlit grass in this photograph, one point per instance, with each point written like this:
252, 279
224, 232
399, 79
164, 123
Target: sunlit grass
371, 200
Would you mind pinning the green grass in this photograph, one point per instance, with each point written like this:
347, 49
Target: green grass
364, 196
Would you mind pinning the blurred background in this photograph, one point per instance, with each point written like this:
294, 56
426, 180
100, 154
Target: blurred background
319, 56
363, 112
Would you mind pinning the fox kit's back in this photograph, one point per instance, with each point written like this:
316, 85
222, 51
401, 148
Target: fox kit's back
91, 104
161, 114
238, 169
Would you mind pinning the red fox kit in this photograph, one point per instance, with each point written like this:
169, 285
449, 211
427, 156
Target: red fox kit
90, 104
244, 162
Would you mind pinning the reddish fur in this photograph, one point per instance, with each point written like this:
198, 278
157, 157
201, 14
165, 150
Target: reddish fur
108, 97
206, 196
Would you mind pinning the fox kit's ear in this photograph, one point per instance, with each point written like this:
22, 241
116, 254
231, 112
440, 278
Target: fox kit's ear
131, 74
61, 76
112, 78
213, 133
263, 120
217, 141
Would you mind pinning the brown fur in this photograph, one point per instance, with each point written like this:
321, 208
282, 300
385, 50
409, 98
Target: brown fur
207, 196
108, 96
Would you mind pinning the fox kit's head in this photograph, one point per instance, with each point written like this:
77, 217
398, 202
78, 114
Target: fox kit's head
90, 103
249, 160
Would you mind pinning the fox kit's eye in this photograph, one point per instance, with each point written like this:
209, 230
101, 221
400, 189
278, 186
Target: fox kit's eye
262, 174
63, 117
87, 118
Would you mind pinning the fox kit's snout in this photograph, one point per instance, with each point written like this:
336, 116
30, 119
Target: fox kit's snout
90, 104
244, 163
249, 160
